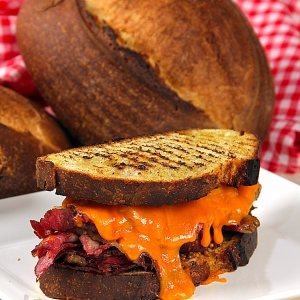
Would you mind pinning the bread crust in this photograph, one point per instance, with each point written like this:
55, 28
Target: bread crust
133, 176
128, 192
102, 90
62, 282
26, 132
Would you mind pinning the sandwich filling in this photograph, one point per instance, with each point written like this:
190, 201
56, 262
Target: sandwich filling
112, 239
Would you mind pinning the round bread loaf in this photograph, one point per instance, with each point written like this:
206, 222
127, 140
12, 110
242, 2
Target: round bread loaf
26, 132
116, 69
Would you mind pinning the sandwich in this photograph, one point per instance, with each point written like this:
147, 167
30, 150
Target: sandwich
148, 217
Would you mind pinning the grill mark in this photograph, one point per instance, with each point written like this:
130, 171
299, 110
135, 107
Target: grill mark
214, 147
170, 156
169, 150
155, 155
159, 152
194, 149
137, 156
182, 161
237, 145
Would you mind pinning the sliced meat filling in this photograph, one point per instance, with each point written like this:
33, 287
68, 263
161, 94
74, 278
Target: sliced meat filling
82, 248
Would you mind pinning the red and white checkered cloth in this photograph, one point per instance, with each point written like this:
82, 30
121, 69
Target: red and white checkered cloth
13, 73
276, 23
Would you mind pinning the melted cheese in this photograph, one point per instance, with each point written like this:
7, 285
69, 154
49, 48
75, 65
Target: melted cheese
161, 231
214, 276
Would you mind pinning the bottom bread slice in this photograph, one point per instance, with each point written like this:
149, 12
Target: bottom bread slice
63, 281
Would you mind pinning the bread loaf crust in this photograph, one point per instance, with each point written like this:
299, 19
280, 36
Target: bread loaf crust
63, 282
154, 170
26, 132
17, 167
101, 89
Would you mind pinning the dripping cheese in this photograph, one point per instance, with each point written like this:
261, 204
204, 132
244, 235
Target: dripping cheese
161, 231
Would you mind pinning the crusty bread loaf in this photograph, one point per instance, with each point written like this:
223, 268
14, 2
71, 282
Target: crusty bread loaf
117, 69
153, 170
26, 132
64, 282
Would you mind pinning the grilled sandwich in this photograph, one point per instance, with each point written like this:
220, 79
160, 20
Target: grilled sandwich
148, 217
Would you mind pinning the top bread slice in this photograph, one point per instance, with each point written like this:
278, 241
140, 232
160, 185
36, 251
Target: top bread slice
153, 170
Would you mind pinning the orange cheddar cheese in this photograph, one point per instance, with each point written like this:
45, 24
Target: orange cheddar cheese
161, 231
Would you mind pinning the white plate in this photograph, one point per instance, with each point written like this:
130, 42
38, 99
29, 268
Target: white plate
273, 271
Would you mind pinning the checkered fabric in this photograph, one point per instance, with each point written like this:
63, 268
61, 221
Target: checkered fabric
276, 23
13, 73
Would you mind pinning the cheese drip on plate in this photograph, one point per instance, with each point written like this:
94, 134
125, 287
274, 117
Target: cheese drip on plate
161, 231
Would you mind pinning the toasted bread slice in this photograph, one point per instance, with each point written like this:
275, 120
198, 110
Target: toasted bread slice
153, 170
